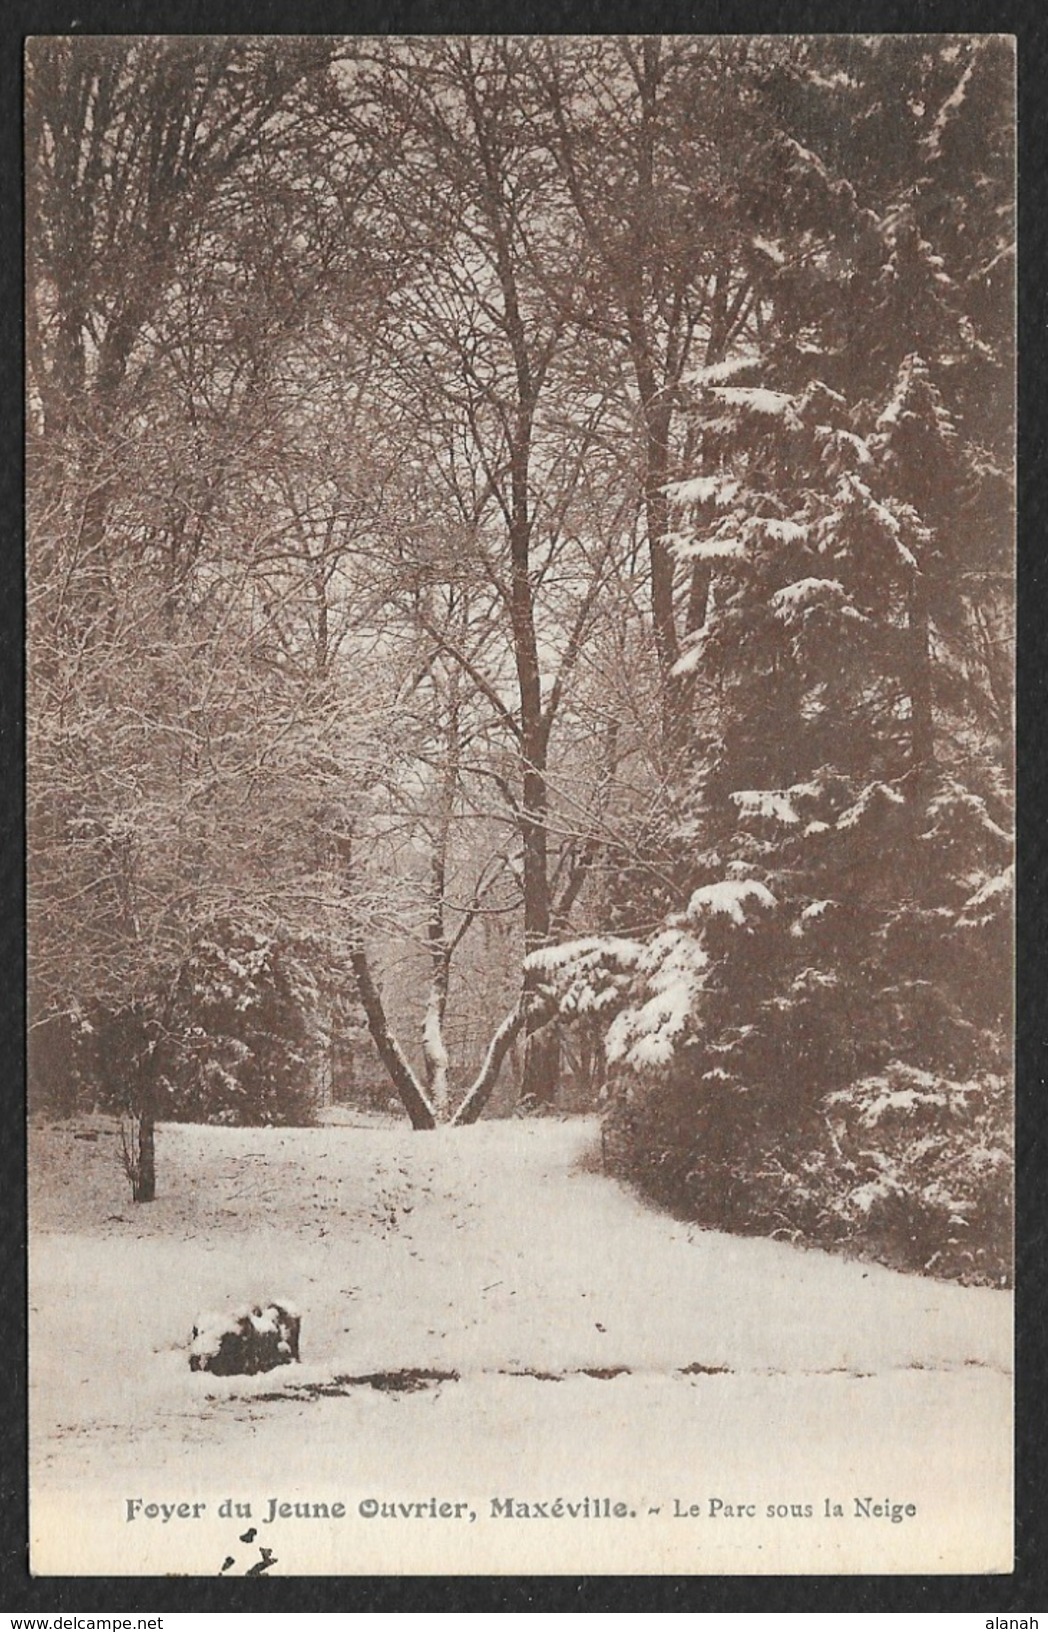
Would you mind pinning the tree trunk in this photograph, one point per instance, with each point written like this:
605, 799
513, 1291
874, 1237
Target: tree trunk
411, 1092
656, 519
541, 1053
500, 1045
540, 1069
541, 1064
434, 1049
144, 1185
141, 1162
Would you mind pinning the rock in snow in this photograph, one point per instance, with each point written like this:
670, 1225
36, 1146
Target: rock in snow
246, 1341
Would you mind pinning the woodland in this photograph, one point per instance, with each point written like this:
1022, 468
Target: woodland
520, 600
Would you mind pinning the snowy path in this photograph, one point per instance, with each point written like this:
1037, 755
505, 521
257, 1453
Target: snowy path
587, 1345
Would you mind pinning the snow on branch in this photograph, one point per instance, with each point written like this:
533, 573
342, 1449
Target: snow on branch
902, 1090
874, 797
854, 494
586, 976
736, 900
719, 490
955, 816
989, 902
760, 401
648, 1034
499, 1046
812, 914
794, 602
765, 804
710, 550
717, 373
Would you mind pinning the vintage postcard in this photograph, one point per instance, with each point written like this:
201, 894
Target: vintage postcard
520, 629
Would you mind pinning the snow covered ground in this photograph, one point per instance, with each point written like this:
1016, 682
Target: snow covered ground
577, 1345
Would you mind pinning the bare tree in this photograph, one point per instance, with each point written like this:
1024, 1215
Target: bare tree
477, 355
160, 731
649, 146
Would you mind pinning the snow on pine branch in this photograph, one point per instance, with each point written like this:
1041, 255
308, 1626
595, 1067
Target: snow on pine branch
710, 550
648, 1034
652, 995
795, 602
903, 1090
759, 400
719, 490
717, 373
989, 902
765, 804
738, 538
770, 248
875, 797
587, 976
957, 817
854, 495
811, 915
739, 900
844, 450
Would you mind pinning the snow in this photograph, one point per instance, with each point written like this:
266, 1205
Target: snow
730, 899
813, 912
992, 897
932, 142
795, 603
587, 974
846, 445
955, 807
718, 489
590, 951
503, 1258
765, 804
887, 521
692, 656
758, 400
211, 1329
781, 532
711, 549
433, 1036
807, 592
715, 373
874, 794
770, 248
647, 1035
905, 1088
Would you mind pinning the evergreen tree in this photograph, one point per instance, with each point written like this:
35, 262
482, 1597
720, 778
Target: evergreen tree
816, 1043
243, 1027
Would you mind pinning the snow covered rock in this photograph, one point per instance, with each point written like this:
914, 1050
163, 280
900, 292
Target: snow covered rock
246, 1341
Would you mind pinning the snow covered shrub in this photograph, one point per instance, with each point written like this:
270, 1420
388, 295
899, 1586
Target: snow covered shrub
813, 1046
816, 1046
247, 1341
242, 1032
741, 1129
932, 1166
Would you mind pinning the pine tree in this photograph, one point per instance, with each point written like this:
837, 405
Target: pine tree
815, 1044
242, 1032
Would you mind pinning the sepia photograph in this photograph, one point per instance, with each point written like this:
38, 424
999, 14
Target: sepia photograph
520, 595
